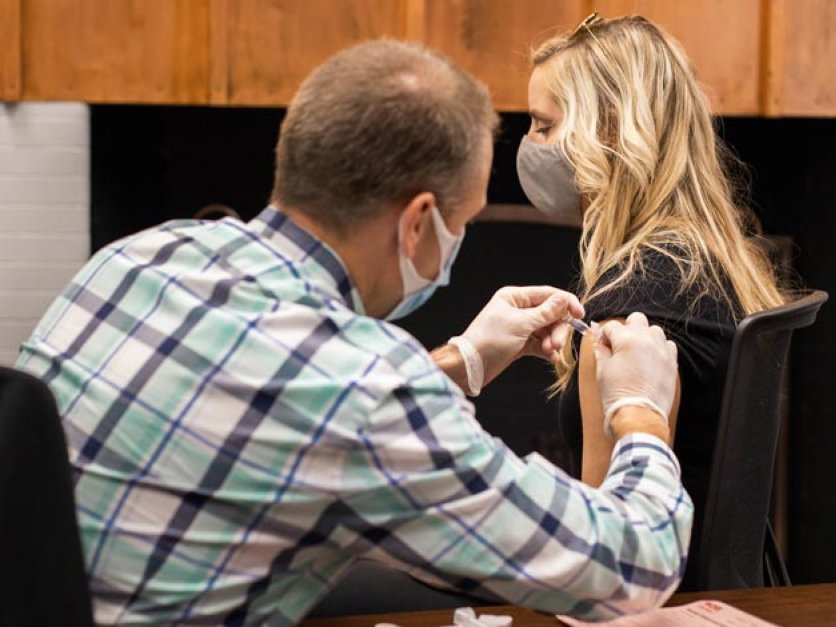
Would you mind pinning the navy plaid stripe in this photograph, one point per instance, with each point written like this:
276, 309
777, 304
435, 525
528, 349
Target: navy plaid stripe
322, 256
260, 408
163, 255
133, 390
420, 425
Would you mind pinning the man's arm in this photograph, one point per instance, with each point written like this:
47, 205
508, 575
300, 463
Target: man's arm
597, 447
450, 360
629, 420
452, 505
517, 321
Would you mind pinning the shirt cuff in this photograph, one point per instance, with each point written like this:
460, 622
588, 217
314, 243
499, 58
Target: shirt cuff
644, 444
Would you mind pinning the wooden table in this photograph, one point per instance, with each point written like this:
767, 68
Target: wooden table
805, 606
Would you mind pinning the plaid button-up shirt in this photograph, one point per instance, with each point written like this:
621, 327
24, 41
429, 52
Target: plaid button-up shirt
241, 433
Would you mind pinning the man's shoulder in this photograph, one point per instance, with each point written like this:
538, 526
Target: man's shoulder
275, 306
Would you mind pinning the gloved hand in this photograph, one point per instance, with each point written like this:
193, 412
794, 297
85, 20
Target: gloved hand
635, 365
521, 321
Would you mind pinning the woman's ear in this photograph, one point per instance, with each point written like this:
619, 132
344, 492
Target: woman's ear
415, 220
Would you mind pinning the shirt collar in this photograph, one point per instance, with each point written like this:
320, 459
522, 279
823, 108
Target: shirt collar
314, 258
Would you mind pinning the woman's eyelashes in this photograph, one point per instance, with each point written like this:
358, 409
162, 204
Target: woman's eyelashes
541, 127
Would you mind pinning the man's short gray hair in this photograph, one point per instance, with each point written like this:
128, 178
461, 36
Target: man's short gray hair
377, 124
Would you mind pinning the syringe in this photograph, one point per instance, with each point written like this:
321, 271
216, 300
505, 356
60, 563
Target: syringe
581, 327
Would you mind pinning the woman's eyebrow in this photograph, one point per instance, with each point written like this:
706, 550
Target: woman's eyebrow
540, 117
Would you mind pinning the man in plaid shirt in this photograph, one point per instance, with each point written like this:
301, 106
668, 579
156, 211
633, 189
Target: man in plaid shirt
245, 425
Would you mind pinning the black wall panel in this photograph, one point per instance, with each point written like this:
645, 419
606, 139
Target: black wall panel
151, 164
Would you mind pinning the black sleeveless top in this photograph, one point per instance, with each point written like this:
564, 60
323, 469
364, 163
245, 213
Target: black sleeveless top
702, 326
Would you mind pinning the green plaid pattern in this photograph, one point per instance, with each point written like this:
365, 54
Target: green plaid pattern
241, 433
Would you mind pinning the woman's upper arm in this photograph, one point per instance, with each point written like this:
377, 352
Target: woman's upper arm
597, 448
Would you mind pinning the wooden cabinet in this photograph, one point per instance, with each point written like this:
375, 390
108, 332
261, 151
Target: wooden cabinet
801, 80
271, 45
755, 57
152, 51
492, 38
10, 50
722, 38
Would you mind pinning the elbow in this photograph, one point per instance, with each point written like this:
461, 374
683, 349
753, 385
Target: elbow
646, 579
656, 589
649, 580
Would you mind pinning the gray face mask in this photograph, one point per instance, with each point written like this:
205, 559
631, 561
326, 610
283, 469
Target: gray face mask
549, 181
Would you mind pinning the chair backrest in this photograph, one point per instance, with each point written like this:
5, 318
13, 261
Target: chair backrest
42, 576
740, 486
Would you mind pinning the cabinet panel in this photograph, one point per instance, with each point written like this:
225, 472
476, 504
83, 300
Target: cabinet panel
152, 51
754, 56
9, 49
722, 37
805, 31
274, 44
492, 38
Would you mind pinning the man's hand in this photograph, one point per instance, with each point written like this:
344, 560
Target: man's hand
521, 321
635, 367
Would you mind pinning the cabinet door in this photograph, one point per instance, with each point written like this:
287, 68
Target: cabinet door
802, 53
722, 38
152, 51
492, 38
9, 49
273, 44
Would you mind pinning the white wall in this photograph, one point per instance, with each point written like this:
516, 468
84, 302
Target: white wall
44, 210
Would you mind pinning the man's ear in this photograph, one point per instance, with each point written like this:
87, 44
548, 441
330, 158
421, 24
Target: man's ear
416, 219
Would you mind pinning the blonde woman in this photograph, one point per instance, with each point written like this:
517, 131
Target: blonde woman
621, 134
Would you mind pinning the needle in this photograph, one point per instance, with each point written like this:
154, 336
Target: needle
580, 326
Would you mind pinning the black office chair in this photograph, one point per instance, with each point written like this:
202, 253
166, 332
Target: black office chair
42, 578
738, 548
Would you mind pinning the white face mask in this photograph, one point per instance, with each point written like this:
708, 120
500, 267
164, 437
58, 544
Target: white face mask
416, 289
548, 180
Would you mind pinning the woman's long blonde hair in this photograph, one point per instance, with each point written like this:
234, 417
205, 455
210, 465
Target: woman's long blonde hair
638, 130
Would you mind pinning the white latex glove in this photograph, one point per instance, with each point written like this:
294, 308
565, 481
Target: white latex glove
635, 365
521, 321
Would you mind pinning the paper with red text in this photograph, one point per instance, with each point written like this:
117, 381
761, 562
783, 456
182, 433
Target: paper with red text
697, 614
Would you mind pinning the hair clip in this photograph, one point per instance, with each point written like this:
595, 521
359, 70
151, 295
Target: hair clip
591, 20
